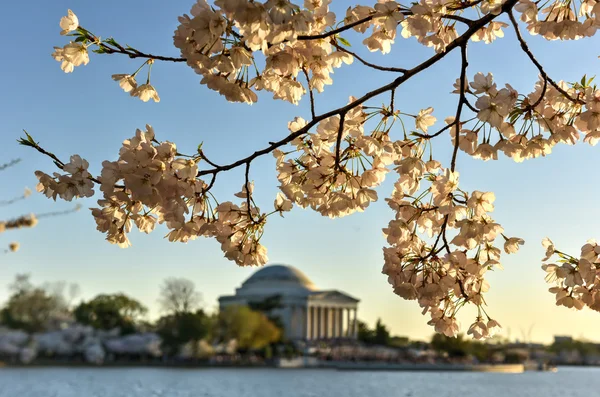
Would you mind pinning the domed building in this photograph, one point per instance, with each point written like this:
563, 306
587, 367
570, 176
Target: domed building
306, 312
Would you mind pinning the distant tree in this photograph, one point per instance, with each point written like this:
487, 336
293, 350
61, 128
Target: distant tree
381, 334
398, 341
251, 329
461, 347
268, 307
455, 347
179, 295
365, 334
110, 311
178, 329
31, 308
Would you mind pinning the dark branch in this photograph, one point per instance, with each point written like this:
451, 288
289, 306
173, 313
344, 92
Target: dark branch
311, 95
545, 76
369, 64
338, 142
130, 52
461, 101
335, 31
428, 136
9, 164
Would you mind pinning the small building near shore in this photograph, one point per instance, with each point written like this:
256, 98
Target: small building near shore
306, 312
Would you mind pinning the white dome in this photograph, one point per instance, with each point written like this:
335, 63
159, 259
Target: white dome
277, 279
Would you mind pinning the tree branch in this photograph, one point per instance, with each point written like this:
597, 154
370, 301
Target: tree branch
478, 24
310, 92
461, 101
9, 164
130, 52
366, 63
335, 31
545, 76
338, 142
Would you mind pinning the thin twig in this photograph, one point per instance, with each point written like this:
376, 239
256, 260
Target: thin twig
130, 52
203, 156
527, 51
335, 31
9, 164
429, 136
462, 100
248, 199
58, 213
369, 64
310, 92
338, 142
13, 200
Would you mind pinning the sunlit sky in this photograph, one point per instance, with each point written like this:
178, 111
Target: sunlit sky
86, 113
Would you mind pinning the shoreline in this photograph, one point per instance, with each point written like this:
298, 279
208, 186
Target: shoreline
338, 366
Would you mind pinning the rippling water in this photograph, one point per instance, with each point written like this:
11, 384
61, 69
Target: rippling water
149, 382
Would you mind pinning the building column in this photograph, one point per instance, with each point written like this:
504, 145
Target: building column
332, 317
338, 321
306, 323
334, 322
348, 323
355, 325
315, 323
323, 324
327, 323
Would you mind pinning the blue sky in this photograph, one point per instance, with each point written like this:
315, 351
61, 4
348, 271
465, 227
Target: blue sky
86, 113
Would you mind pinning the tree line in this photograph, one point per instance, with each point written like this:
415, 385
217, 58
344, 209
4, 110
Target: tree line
42, 308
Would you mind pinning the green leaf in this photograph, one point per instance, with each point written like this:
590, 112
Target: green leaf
344, 41
80, 39
583, 80
200, 147
29, 137
111, 41
99, 50
27, 142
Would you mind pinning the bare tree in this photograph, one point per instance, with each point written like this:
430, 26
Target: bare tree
179, 295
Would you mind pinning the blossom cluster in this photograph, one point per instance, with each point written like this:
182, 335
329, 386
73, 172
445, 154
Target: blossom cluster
219, 44
152, 183
442, 243
335, 180
527, 126
561, 20
74, 184
20, 222
576, 280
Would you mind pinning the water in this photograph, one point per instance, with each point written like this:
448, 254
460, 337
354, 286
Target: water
149, 382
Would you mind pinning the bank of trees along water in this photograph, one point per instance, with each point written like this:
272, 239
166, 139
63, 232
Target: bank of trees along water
46, 308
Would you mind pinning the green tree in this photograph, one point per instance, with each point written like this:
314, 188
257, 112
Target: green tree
178, 329
31, 308
252, 329
110, 311
365, 334
455, 347
268, 306
381, 334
